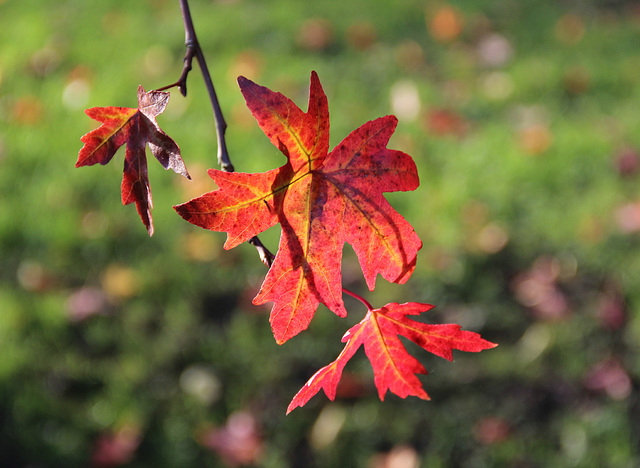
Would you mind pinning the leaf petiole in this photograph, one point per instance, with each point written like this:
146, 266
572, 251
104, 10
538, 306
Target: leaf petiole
358, 297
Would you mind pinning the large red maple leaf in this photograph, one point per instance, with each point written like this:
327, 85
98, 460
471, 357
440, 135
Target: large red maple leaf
394, 369
137, 128
321, 201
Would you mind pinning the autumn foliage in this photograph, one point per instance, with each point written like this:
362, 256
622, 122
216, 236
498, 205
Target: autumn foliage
137, 128
321, 199
394, 368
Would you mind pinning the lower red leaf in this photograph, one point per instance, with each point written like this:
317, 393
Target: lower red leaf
394, 368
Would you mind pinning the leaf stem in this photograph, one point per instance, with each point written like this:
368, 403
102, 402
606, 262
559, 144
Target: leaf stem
358, 297
194, 50
182, 81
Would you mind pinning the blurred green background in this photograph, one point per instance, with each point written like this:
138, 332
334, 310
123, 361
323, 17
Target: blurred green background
117, 349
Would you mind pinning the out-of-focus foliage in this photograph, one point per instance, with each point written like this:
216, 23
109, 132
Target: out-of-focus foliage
123, 350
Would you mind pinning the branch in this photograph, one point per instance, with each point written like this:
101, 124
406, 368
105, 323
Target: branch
194, 50
265, 255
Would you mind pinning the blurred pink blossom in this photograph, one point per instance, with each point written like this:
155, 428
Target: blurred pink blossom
238, 442
400, 456
610, 377
627, 161
612, 310
628, 217
113, 449
491, 430
86, 302
538, 289
494, 50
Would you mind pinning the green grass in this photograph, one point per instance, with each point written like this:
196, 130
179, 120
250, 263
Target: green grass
63, 383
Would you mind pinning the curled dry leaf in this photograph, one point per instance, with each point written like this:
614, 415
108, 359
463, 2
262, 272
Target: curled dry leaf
137, 128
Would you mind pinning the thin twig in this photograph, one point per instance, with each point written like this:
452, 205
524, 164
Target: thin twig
265, 255
182, 81
194, 50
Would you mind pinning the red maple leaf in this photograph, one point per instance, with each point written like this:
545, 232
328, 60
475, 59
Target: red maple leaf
321, 201
394, 369
136, 128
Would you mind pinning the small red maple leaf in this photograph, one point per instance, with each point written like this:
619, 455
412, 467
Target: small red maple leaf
394, 368
321, 201
136, 128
